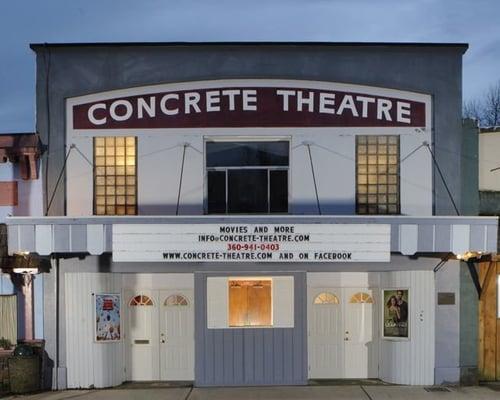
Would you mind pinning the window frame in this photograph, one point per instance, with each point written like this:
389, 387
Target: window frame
239, 139
398, 183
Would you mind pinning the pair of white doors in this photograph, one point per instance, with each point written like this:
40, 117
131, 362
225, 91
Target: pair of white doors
159, 339
342, 333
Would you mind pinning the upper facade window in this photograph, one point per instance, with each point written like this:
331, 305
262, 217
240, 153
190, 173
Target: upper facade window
247, 177
115, 175
377, 175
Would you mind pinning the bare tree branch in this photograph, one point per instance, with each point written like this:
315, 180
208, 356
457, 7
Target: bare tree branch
485, 110
492, 105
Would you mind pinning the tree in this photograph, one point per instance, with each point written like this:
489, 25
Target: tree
485, 110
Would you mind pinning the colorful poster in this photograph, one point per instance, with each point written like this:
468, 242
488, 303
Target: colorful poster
107, 318
395, 313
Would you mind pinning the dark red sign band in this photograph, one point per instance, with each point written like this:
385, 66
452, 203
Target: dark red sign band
240, 107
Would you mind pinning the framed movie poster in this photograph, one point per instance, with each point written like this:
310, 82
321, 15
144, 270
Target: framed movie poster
395, 313
107, 318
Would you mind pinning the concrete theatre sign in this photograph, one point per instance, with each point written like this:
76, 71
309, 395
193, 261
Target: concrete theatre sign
272, 104
251, 242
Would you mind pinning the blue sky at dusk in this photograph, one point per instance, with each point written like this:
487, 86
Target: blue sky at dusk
53, 21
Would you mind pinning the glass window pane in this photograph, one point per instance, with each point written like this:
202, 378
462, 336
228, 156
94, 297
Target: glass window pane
278, 191
247, 191
233, 154
216, 191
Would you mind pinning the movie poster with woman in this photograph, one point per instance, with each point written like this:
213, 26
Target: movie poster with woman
395, 313
107, 318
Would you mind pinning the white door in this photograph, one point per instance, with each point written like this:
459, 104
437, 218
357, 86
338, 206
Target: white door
325, 336
360, 341
342, 339
177, 335
142, 345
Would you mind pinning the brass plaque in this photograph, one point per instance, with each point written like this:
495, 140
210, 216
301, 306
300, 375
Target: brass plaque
446, 298
141, 341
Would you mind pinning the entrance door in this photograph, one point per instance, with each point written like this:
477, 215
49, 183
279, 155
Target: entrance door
342, 340
142, 336
160, 335
325, 335
361, 360
177, 336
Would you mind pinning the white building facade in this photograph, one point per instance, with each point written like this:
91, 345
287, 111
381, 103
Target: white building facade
229, 220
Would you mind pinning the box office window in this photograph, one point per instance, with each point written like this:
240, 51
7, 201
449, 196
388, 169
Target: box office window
377, 175
249, 302
115, 175
247, 177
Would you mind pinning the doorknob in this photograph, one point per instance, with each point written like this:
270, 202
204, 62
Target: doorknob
163, 341
346, 339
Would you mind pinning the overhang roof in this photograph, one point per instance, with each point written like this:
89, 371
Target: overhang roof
409, 235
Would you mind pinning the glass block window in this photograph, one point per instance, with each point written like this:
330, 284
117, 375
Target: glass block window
115, 175
377, 175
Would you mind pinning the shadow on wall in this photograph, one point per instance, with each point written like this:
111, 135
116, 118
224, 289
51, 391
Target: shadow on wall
297, 208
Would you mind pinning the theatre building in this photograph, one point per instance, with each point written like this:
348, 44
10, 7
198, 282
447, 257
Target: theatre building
255, 214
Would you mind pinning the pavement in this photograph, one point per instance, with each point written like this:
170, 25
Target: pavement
340, 392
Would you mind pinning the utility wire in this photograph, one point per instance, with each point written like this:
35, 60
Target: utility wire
442, 178
308, 145
59, 179
180, 178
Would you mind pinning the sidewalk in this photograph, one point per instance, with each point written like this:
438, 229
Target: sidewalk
274, 393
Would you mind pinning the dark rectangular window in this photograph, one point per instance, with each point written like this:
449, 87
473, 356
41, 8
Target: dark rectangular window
278, 195
247, 177
247, 154
216, 181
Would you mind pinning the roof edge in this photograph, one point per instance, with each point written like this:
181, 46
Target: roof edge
463, 46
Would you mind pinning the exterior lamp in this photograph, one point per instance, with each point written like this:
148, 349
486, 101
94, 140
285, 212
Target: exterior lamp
469, 255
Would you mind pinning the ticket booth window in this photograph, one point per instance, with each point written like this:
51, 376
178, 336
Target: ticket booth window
250, 303
247, 177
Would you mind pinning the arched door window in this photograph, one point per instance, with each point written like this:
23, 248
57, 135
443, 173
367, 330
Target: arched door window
361, 297
140, 300
326, 298
176, 300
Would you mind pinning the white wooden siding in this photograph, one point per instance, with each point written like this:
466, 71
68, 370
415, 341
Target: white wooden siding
89, 363
411, 362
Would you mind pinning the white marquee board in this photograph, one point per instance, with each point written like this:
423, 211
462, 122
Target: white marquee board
251, 242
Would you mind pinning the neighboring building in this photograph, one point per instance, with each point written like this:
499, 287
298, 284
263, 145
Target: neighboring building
256, 213
21, 308
489, 171
489, 305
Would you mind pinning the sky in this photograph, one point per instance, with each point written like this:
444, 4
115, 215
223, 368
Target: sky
56, 21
